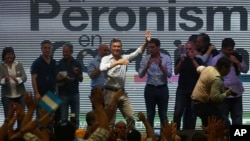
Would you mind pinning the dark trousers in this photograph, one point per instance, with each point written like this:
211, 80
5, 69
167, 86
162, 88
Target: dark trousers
204, 110
233, 106
6, 103
156, 96
183, 109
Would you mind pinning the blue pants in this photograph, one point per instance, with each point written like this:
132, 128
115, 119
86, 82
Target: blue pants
156, 96
234, 107
6, 102
71, 101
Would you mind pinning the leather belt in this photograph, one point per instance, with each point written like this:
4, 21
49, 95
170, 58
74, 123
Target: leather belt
112, 88
196, 101
157, 86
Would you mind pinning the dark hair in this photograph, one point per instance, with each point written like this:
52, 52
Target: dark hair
45, 42
134, 135
7, 50
155, 41
205, 38
199, 136
69, 45
190, 42
115, 40
65, 130
223, 62
227, 42
193, 38
90, 116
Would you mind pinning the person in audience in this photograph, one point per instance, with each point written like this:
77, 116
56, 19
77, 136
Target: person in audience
119, 132
134, 135
28, 127
114, 67
65, 131
216, 129
92, 124
102, 131
199, 136
232, 104
168, 130
149, 129
12, 79
69, 74
158, 68
92, 117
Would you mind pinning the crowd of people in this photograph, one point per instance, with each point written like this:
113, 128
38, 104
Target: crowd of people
209, 87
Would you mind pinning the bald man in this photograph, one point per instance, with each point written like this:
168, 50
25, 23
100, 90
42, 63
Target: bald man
96, 76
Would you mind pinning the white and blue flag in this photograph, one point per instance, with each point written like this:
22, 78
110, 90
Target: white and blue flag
50, 102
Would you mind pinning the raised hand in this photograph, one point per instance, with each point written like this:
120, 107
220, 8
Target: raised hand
169, 131
30, 102
234, 59
19, 111
215, 129
11, 111
97, 97
148, 35
45, 118
120, 92
141, 116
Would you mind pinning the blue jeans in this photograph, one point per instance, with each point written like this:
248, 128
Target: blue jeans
6, 102
234, 107
71, 101
183, 108
156, 96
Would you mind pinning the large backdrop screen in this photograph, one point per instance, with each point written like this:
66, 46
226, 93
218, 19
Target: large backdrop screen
86, 23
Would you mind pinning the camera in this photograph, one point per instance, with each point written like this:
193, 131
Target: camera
157, 132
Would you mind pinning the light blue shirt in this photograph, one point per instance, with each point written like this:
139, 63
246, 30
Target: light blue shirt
116, 76
93, 65
203, 57
232, 80
154, 74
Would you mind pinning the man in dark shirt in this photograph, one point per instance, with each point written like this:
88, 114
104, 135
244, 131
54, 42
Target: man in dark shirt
43, 74
186, 66
69, 74
43, 71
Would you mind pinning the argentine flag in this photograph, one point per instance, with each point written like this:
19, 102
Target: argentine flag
50, 102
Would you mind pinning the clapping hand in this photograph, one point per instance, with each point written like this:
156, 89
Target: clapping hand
76, 70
